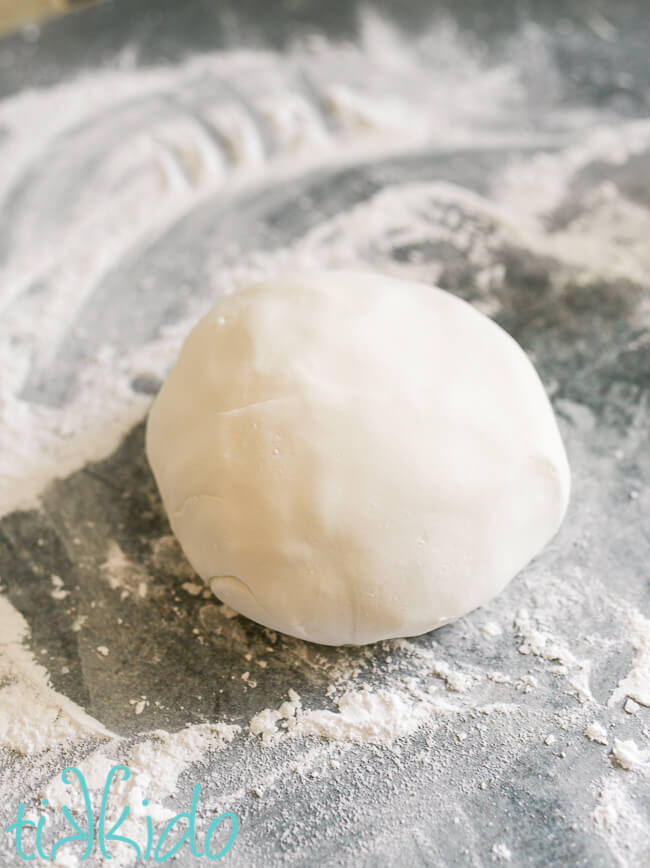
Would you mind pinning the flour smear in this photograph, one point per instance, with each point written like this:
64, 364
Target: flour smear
157, 145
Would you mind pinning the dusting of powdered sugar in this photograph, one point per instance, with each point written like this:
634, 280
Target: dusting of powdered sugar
619, 821
161, 145
636, 684
33, 717
160, 142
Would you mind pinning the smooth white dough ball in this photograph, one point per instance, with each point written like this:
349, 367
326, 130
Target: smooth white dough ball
348, 457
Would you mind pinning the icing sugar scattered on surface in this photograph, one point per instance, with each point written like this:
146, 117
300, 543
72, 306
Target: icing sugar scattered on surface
618, 819
417, 694
155, 765
163, 165
636, 683
501, 853
546, 646
596, 732
379, 700
33, 717
362, 717
630, 756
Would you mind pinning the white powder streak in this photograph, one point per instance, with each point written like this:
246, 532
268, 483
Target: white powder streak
363, 717
367, 102
544, 645
155, 764
636, 683
630, 756
377, 100
621, 825
33, 716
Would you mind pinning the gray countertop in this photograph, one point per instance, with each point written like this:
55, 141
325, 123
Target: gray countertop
503, 771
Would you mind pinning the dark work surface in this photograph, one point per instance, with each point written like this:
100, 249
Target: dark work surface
610, 71
479, 776
588, 341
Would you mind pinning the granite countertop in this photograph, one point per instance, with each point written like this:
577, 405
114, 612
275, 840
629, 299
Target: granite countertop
540, 224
